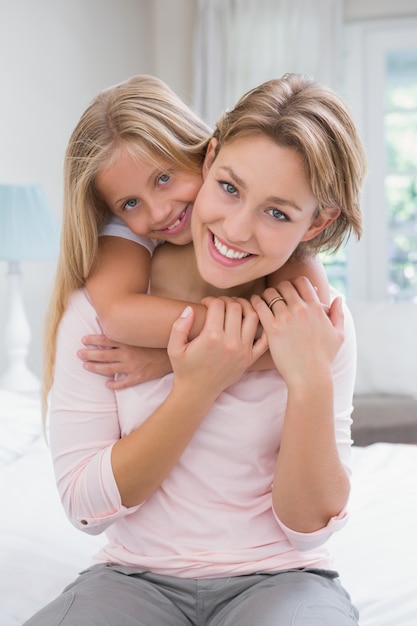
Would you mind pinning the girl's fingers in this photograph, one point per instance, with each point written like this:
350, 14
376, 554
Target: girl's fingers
97, 356
99, 341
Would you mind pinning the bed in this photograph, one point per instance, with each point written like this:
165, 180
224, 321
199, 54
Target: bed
376, 553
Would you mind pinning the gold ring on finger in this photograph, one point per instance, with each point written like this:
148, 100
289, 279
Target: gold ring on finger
274, 300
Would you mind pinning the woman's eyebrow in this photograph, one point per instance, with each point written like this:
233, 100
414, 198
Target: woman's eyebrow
282, 201
233, 175
273, 199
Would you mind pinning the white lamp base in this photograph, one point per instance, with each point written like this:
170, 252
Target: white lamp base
17, 377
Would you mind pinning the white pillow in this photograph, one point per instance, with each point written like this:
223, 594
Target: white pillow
20, 424
387, 347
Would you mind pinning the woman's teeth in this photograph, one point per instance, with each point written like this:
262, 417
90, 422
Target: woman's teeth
228, 252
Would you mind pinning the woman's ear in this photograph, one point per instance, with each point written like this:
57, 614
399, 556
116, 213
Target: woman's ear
322, 221
210, 156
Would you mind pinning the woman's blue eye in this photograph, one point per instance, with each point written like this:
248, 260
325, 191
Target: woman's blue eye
229, 188
130, 204
278, 215
164, 178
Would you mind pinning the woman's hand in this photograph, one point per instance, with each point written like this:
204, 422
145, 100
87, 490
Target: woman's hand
124, 365
224, 350
310, 485
303, 338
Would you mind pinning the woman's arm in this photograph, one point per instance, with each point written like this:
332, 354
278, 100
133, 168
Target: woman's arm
100, 469
311, 485
203, 368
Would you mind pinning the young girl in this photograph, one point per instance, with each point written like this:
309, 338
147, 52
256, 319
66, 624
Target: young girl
132, 172
218, 491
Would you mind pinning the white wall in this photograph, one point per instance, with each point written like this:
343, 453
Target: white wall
54, 58
173, 44
376, 9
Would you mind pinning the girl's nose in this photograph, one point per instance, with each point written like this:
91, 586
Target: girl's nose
159, 211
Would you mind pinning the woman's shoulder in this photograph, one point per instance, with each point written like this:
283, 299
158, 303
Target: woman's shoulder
79, 304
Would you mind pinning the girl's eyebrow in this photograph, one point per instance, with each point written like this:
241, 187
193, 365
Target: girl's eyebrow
243, 185
149, 180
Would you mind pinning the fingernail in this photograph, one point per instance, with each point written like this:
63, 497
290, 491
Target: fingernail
186, 312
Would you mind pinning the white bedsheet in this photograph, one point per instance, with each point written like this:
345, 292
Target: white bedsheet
376, 554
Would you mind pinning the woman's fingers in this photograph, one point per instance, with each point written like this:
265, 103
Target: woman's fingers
178, 339
226, 346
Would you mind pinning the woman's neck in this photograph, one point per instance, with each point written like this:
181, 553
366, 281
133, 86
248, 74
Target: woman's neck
174, 274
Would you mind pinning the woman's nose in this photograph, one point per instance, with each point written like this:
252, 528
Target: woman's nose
238, 226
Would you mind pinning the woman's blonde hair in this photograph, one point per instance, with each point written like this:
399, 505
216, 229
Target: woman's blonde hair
141, 115
299, 113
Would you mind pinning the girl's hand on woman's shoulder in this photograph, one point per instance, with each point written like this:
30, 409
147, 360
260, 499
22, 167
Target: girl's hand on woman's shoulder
222, 352
303, 336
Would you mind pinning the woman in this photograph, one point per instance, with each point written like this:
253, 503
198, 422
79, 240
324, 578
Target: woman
220, 515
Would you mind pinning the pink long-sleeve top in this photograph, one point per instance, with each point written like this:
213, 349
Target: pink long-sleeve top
212, 516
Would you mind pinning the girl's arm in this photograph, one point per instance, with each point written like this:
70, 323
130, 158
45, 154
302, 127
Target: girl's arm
311, 485
123, 318
119, 284
118, 288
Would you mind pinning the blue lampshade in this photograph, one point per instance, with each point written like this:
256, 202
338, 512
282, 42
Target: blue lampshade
28, 228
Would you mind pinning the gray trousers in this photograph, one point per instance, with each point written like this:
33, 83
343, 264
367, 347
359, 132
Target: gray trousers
111, 595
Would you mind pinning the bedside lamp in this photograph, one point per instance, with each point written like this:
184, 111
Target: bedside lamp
28, 232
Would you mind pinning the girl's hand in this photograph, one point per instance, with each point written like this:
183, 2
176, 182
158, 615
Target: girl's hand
125, 365
303, 338
224, 350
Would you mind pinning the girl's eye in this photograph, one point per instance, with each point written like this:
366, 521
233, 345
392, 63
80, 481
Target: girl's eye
229, 188
278, 215
163, 179
130, 204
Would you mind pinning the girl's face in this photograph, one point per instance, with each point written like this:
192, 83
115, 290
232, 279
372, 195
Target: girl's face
153, 201
254, 208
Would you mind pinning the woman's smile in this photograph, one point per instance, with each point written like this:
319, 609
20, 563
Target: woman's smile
222, 251
254, 208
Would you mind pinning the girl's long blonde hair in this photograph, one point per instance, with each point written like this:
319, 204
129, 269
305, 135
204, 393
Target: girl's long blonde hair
141, 115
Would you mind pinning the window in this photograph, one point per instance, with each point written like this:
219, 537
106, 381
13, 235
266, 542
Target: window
400, 130
381, 86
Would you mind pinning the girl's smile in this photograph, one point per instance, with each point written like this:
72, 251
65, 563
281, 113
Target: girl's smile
153, 200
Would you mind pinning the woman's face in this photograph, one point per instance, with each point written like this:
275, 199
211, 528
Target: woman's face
153, 201
254, 208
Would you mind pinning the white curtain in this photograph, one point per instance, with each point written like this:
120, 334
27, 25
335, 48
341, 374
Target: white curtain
241, 43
